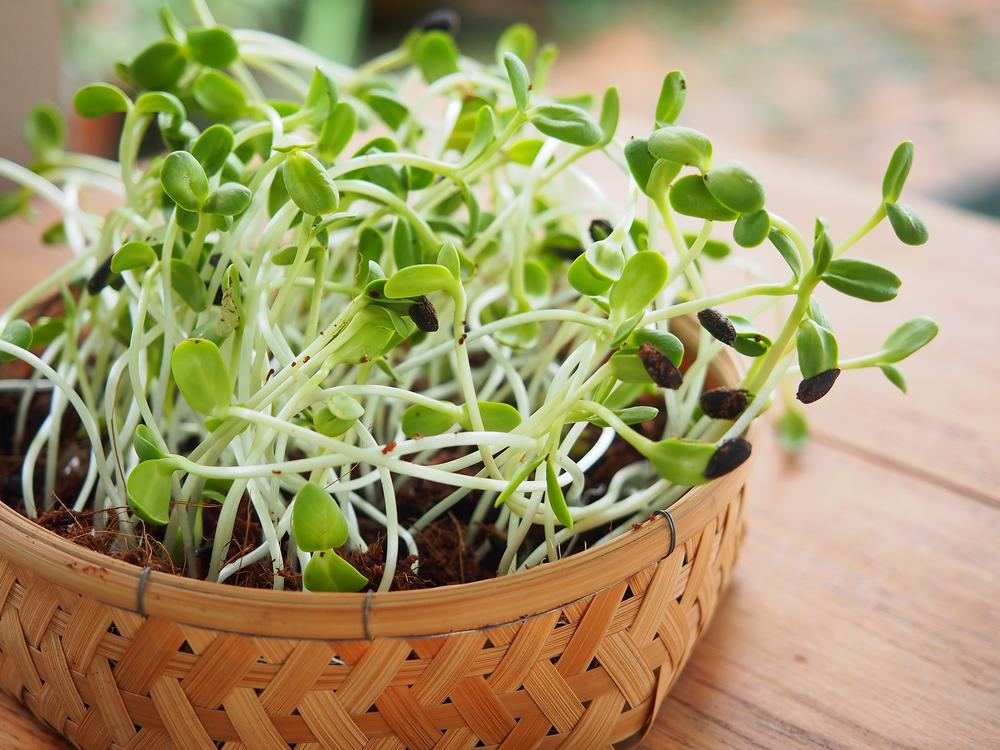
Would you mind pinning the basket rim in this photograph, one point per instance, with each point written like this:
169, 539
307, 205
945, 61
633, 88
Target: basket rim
477, 605
440, 610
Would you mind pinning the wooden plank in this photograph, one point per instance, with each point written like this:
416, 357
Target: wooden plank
865, 612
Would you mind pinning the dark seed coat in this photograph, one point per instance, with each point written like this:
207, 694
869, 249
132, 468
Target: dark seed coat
663, 372
724, 403
441, 19
99, 278
423, 314
718, 325
730, 454
600, 229
814, 388
563, 251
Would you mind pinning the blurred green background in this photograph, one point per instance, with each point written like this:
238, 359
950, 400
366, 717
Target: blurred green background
834, 83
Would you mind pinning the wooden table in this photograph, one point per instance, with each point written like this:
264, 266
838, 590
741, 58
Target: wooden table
865, 611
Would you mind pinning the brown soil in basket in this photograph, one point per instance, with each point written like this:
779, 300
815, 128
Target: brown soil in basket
444, 559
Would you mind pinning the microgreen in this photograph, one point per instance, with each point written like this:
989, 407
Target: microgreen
212, 46
907, 224
184, 180
148, 490
100, 99
683, 146
673, 94
406, 273
44, 129
735, 188
690, 196
201, 376
317, 521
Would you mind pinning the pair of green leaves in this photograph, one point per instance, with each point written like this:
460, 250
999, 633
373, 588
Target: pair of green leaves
336, 120
724, 193
561, 121
319, 526
161, 64
426, 420
184, 176
910, 337
630, 285
642, 278
597, 268
338, 414
690, 196
906, 222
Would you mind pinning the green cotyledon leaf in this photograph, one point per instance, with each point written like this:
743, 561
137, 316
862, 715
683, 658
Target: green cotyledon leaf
317, 522
328, 571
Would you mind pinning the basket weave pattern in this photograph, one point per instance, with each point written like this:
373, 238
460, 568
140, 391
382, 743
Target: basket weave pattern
583, 675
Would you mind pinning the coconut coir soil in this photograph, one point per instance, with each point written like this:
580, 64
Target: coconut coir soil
444, 559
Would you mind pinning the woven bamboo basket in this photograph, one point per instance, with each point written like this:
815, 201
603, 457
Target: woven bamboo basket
574, 654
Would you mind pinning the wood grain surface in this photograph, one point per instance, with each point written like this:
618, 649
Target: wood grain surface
865, 611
